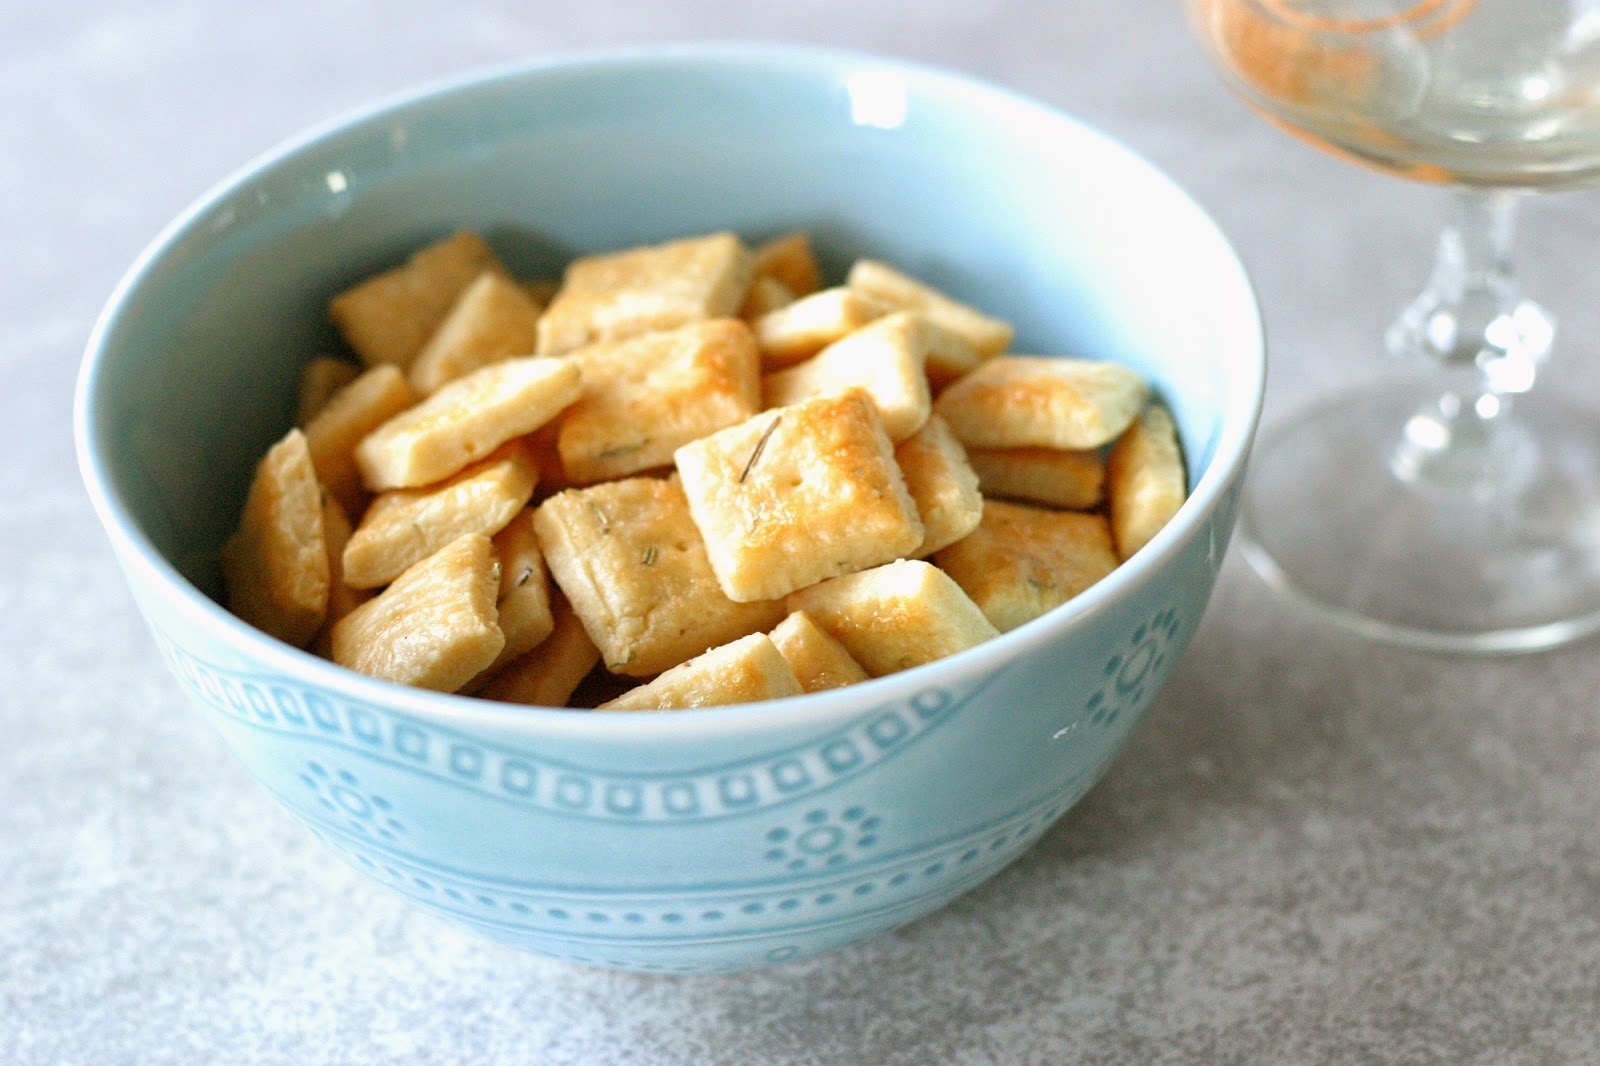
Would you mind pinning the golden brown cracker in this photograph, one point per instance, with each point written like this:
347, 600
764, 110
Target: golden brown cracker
630, 559
434, 627
747, 670
646, 396
623, 294
1022, 561
1069, 478
404, 526
885, 359
465, 421
1021, 401
942, 484
819, 662
799, 494
1145, 479
989, 335
897, 616
389, 317
493, 319
275, 566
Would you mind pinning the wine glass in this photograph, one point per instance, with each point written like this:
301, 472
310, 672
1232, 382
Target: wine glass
1456, 509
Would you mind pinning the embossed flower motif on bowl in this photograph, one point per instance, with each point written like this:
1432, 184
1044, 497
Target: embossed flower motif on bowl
823, 839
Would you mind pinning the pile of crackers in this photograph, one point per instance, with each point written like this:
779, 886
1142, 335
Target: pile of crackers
684, 474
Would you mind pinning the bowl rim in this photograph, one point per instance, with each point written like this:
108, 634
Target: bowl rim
1241, 412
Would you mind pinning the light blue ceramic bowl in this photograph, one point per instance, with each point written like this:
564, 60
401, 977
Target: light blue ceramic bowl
706, 840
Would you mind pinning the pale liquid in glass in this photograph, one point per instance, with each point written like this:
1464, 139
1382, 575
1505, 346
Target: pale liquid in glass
1473, 92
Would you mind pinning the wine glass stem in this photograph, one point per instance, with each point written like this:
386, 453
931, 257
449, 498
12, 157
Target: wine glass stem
1484, 341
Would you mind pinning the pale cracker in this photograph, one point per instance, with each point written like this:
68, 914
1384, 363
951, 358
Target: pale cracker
622, 294
646, 396
990, 336
1020, 401
389, 317
349, 415
1145, 480
942, 484
747, 670
275, 566
799, 494
434, 627
523, 609
950, 354
319, 380
797, 331
524, 603
465, 421
895, 617
819, 662
342, 598
629, 558
492, 320
1058, 477
885, 359
1022, 560
547, 675
766, 295
790, 260
404, 526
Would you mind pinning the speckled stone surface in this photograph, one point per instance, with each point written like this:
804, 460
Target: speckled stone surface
1313, 851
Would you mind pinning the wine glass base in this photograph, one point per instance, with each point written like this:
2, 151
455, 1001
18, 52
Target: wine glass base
1345, 511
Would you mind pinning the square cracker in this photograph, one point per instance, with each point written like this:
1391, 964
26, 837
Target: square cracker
1058, 477
1020, 401
524, 604
548, 674
493, 319
628, 556
885, 359
342, 598
789, 260
765, 296
349, 415
798, 330
1145, 480
950, 354
897, 616
942, 483
819, 662
404, 526
465, 421
646, 396
622, 294
990, 336
275, 566
523, 609
799, 494
434, 627
747, 670
1022, 561
319, 380
389, 317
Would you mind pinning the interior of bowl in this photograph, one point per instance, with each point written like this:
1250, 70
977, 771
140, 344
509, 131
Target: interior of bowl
1014, 208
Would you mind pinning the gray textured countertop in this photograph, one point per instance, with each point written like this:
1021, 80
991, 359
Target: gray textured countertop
1314, 850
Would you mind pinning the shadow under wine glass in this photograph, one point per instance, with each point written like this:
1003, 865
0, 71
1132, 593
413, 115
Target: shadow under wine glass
1456, 508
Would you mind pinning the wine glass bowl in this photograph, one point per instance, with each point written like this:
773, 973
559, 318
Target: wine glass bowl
1456, 509
1473, 92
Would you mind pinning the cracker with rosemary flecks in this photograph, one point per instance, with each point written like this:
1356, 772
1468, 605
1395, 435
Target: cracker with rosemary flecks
629, 558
